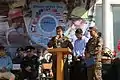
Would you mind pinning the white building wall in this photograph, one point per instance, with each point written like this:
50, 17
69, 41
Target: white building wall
116, 22
98, 18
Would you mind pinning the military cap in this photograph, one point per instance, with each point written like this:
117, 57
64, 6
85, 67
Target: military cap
29, 48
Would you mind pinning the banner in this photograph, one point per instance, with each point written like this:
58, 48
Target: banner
45, 17
16, 34
79, 23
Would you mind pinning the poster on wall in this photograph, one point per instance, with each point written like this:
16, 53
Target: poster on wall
46, 16
16, 34
78, 23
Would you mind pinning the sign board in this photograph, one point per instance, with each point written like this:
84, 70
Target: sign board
46, 16
16, 67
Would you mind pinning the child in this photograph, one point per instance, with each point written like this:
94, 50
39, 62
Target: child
79, 44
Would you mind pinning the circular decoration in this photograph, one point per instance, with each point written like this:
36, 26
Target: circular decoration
48, 23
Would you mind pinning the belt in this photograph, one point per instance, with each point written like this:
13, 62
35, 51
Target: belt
96, 59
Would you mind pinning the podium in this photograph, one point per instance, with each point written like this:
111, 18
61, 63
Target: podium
60, 52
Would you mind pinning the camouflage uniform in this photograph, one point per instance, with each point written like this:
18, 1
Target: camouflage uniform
64, 43
95, 45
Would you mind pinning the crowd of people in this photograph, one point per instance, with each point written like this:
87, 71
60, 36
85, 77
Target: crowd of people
28, 60
86, 51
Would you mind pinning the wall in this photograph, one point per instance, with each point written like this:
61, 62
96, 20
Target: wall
98, 18
116, 22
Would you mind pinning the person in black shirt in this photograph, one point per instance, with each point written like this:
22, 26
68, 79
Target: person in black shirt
18, 60
30, 64
19, 56
60, 41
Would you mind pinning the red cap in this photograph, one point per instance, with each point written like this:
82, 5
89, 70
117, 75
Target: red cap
14, 13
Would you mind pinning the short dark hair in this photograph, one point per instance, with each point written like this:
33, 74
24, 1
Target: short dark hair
93, 28
2, 47
20, 49
99, 34
79, 31
60, 27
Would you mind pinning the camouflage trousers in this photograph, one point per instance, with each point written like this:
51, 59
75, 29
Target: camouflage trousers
94, 72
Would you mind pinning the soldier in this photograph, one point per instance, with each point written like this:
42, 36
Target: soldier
59, 41
30, 64
19, 56
93, 53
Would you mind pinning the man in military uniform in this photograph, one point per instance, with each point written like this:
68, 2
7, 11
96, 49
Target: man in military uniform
30, 64
93, 50
59, 41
